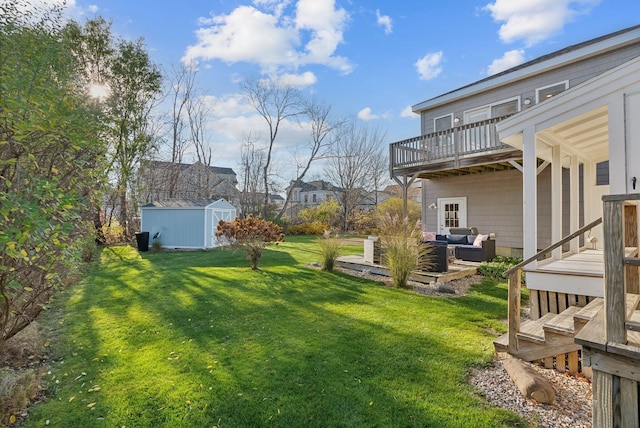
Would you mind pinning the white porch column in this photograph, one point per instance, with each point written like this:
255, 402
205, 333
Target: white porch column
574, 202
530, 194
556, 200
617, 150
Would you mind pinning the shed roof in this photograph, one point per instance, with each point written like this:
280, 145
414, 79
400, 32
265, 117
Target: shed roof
181, 203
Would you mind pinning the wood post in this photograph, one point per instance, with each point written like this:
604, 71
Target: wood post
631, 240
514, 309
614, 289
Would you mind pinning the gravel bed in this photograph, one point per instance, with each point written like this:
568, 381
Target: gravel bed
572, 407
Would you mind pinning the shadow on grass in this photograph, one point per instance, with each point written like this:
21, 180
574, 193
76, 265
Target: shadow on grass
197, 338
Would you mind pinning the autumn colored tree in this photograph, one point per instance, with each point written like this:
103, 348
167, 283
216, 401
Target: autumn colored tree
251, 235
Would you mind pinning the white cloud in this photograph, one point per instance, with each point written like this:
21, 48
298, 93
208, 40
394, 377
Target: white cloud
366, 114
535, 20
385, 21
508, 60
299, 80
229, 105
273, 39
408, 112
429, 66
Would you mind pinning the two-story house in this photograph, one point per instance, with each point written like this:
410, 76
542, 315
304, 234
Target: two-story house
160, 181
541, 154
469, 177
312, 193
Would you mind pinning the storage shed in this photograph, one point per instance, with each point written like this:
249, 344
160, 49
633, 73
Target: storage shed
185, 223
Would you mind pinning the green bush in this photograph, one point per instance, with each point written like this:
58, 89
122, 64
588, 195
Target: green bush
496, 267
313, 228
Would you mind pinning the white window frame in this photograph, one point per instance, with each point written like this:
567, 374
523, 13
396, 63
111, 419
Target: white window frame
566, 86
487, 108
462, 212
435, 120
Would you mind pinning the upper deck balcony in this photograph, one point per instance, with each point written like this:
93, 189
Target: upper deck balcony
465, 149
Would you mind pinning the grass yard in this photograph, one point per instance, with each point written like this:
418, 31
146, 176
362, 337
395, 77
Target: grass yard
198, 339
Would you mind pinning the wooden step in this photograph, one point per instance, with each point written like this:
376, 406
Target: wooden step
563, 322
633, 314
501, 344
532, 330
633, 322
586, 314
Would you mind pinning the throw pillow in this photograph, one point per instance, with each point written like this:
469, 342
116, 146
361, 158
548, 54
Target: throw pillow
479, 239
429, 236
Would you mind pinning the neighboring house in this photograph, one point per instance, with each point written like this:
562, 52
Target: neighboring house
166, 180
472, 178
185, 223
310, 194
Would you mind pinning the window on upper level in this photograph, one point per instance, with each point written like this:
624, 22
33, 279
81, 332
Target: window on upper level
315, 199
443, 123
499, 109
547, 92
306, 199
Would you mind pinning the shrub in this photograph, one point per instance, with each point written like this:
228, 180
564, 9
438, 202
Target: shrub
251, 235
313, 228
392, 208
330, 249
496, 267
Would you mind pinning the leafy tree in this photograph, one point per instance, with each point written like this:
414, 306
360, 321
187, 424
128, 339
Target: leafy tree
135, 85
393, 208
251, 235
50, 161
328, 213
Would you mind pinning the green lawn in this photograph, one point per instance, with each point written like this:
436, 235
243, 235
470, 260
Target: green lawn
197, 339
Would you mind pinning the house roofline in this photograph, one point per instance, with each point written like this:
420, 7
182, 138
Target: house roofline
539, 65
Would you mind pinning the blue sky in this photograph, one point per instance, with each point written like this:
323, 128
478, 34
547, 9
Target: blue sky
370, 59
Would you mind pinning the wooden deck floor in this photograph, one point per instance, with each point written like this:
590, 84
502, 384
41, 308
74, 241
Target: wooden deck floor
586, 262
457, 269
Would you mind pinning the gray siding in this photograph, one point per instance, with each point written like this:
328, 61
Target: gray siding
575, 73
494, 204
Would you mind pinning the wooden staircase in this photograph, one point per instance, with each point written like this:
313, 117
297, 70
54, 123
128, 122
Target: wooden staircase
553, 334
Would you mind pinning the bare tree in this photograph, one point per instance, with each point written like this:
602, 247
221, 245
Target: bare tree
181, 92
318, 145
275, 102
379, 172
349, 167
252, 162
